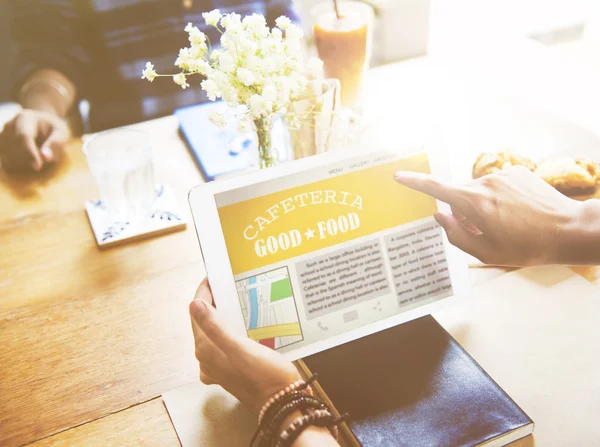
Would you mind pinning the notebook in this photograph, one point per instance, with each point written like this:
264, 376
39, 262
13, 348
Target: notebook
217, 151
413, 385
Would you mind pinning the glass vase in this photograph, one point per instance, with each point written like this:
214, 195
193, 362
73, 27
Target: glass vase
315, 123
268, 155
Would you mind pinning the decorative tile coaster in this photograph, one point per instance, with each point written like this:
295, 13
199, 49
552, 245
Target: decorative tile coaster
166, 218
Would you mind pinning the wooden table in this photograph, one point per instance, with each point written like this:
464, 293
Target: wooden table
90, 335
90, 339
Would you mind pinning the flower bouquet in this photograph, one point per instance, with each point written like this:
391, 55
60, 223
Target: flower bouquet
257, 71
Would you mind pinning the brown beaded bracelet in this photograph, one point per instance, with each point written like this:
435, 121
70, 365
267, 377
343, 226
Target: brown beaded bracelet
266, 429
270, 412
319, 418
297, 386
302, 403
296, 396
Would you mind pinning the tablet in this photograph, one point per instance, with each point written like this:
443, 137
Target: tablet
324, 250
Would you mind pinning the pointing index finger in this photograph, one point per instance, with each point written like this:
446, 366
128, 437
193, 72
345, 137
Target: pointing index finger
428, 185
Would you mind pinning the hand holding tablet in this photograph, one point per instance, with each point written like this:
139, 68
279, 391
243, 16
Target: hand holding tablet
324, 250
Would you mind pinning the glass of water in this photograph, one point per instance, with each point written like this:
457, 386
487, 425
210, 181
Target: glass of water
121, 163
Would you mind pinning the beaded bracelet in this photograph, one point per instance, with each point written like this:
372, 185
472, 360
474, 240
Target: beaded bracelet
271, 433
298, 385
319, 418
272, 410
302, 403
277, 405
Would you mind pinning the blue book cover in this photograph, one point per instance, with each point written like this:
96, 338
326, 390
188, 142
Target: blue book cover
413, 385
218, 151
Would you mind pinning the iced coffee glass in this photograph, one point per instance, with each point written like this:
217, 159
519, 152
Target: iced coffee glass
344, 45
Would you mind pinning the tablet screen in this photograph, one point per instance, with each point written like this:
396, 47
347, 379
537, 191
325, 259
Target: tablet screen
318, 253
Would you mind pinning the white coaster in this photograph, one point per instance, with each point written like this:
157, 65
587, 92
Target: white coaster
166, 218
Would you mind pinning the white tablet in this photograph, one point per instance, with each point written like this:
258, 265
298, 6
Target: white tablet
324, 250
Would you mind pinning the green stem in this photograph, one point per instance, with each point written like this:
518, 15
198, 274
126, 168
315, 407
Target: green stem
266, 158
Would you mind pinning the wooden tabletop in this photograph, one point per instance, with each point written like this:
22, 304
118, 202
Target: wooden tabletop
86, 333
90, 339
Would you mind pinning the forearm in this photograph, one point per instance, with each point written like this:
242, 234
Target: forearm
48, 91
579, 243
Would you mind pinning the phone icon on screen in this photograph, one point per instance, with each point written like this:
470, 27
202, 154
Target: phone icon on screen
322, 326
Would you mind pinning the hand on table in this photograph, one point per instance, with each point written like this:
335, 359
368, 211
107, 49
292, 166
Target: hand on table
511, 218
248, 370
31, 140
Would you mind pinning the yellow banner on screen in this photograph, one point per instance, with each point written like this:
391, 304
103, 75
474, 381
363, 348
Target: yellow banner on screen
307, 218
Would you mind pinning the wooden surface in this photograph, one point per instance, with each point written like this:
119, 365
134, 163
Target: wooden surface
147, 424
89, 335
85, 333
535, 331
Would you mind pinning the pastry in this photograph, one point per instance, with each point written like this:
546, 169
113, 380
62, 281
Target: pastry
490, 163
570, 175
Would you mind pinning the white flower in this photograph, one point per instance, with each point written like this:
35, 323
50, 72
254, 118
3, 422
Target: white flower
294, 32
183, 58
195, 35
269, 93
245, 76
148, 72
220, 78
283, 22
218, 118
243, 95
198, 51
228, 40
232, 22
276, 34
180, 80
269, 66
253, 63
258, 106
230, 94
314, 67
247, 47
293, 45
211, 88
257, 25
255, 67
283, 92
226, 63
293, 65
212, 18
296, 83
198, 39
199, 66
273, 49
244, 126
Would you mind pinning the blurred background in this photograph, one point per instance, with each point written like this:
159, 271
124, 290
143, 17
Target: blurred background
6, 53
550, 41
551, 22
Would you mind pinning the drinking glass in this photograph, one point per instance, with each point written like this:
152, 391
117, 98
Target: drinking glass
121, 162
344, 45
314, 121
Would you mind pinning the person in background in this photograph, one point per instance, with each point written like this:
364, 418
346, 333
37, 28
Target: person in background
512, 218
68, 50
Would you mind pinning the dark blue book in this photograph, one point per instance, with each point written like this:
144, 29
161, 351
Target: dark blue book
413, 385
219, 152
